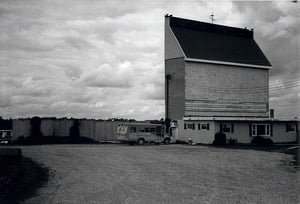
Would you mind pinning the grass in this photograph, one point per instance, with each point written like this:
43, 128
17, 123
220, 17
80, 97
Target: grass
165, 174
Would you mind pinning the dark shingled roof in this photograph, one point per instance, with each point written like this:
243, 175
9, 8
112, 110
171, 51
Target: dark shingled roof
208, 41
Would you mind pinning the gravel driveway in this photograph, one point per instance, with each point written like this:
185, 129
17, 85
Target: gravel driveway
164, 174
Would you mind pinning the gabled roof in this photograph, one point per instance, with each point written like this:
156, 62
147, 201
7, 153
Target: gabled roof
211, 42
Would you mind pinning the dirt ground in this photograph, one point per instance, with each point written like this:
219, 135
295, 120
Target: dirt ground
164, 174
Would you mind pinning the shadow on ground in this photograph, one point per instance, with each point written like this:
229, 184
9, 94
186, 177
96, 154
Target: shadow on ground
21, 180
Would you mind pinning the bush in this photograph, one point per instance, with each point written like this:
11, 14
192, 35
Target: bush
220, 139
232, 141
74, 130
261, 141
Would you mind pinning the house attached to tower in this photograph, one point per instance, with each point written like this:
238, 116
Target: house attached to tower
217, 79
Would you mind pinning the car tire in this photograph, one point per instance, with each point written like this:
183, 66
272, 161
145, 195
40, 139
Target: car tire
141, 141
167, 141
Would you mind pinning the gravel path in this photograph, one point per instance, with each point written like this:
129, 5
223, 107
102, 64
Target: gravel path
164, 174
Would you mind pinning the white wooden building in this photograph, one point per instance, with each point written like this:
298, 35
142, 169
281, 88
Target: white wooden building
217, 79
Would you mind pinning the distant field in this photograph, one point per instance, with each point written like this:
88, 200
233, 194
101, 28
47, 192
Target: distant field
164, 174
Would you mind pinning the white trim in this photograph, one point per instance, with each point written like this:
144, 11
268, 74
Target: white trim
267, 130
226, 63
196, 118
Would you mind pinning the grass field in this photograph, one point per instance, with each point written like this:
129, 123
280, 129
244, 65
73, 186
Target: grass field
164, 174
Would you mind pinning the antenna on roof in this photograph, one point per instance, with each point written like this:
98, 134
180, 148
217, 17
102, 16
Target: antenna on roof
212, 17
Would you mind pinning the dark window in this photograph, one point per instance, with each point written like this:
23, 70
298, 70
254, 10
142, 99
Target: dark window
190, 126
261, 130
226, 127
132, 129
205, 126
290, 127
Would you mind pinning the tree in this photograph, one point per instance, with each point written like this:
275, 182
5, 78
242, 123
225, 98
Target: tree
36, 127
74, 130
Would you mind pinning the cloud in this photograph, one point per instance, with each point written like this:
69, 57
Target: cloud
107, 76
103, 59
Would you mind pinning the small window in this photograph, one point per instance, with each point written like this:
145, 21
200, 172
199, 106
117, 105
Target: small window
147, 129
290, 127
190, 126
132, 129
226, 127
141, 130
205, 126
152, 130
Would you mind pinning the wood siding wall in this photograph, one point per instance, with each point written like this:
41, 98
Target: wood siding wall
217, 90
174, 97
240, 131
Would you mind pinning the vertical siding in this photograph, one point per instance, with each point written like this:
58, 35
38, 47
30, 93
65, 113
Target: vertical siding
47, 127
62, 127
87, 128
21, 127
106, 130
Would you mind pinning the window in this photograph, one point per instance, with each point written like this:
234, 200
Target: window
203, 126
261, 130
189, 126
147, 129
152, 130
291, 127
226, 127
132, 129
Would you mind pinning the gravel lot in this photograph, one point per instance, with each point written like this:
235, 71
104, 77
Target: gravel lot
164, 174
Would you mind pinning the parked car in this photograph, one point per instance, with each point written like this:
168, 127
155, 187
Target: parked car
5, 136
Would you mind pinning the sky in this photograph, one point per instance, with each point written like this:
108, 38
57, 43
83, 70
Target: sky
104, 59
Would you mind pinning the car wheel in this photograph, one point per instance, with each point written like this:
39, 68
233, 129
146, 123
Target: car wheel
167, 141
140, 141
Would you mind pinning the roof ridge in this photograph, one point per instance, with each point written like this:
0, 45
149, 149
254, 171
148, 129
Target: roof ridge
210, 27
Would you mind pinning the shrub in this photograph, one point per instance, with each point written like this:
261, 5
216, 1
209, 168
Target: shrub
74, 130
220, 139
232, 141
261, 141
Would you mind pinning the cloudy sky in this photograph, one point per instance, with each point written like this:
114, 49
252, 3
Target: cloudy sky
103, 59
